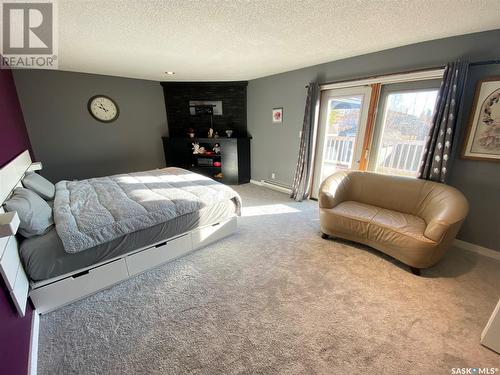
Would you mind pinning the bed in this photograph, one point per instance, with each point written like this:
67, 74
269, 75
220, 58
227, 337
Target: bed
44, 257
111, 228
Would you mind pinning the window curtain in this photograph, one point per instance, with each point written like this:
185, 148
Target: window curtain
301, 181
437, 152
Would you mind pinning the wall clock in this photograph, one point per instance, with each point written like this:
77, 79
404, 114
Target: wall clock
103, 108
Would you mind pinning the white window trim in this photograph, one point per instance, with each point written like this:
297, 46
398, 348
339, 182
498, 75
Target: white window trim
386, 79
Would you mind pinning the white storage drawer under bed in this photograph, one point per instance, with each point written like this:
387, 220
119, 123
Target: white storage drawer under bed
159, 254
62, 292
205, 236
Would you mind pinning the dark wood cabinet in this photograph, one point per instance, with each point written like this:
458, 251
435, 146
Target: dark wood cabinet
234, 157
232, 165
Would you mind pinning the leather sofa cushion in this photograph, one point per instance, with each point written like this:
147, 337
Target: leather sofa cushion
406, 224
378, 224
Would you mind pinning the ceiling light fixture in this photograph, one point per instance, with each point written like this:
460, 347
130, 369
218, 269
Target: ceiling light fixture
170, 73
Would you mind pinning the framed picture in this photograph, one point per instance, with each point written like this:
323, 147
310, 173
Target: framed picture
483, 134
197, 107
277, 115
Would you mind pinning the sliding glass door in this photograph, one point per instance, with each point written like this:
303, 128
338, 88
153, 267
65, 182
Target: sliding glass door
379, 127
402, 124
342, 124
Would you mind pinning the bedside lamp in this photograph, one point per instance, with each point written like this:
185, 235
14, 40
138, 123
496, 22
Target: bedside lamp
9, 222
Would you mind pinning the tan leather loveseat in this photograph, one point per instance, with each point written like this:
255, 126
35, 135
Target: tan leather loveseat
412, 220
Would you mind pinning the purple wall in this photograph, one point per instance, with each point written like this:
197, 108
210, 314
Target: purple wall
13, 135
14, 331
14, 336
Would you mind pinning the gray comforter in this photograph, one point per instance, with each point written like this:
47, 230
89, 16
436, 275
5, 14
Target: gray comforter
91, 212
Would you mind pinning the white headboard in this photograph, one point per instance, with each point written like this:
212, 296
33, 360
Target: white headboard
11, 268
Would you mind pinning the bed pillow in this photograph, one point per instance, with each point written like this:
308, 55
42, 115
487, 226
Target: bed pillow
34, 213
43, 187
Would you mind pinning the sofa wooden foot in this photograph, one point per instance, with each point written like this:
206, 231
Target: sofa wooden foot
324, 236
415, 271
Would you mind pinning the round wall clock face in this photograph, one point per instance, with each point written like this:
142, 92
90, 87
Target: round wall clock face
103, 108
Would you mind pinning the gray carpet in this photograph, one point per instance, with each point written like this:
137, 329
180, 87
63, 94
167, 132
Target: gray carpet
277, 299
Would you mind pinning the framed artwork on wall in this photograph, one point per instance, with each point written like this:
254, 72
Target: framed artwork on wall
277, 115
482, 141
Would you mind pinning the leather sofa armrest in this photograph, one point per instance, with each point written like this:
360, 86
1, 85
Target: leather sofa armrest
442, 209
436, 229
333, 190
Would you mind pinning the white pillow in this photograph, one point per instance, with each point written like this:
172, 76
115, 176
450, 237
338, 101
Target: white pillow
39, 185
34, 213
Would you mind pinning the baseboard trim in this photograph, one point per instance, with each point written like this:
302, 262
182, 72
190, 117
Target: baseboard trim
33, 355
478, 249
271, 186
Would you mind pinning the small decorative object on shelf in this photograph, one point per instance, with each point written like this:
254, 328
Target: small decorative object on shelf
218, 175
216, 148
210, 133
190, 133
229, 133
197, 150
217, 164
216, 135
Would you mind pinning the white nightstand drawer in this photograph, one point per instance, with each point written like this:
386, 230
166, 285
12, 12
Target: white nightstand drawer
10, 262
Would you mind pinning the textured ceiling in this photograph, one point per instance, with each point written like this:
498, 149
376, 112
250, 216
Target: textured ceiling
239, 40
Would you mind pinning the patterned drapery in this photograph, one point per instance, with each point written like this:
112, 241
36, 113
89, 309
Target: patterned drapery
437, 152
301, 181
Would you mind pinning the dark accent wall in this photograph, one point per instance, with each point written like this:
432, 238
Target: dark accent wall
274, 147
14, 331
234, 105
71, 144
14, 137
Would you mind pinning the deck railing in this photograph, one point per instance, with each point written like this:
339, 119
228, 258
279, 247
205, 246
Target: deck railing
400, 157
339, 150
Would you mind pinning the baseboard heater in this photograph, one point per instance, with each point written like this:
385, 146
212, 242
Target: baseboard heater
277, 186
